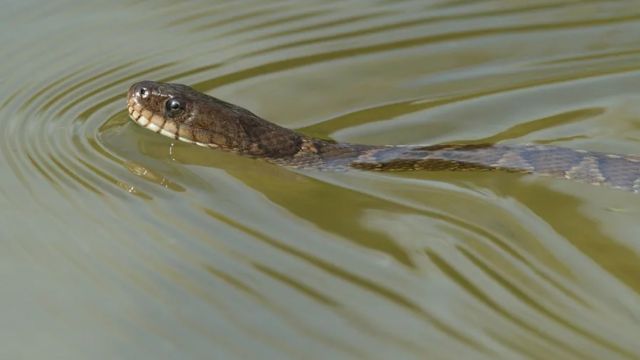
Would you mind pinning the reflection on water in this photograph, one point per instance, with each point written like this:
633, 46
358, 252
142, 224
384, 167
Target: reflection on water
117, 243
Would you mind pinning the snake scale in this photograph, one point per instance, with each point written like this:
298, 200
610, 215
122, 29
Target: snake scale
182, 113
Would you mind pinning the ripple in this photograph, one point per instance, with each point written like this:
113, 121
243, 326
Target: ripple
162, 249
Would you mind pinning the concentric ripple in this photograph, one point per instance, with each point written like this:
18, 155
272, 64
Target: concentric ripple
118, 243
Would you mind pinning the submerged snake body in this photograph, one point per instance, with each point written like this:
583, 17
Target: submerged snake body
179, 112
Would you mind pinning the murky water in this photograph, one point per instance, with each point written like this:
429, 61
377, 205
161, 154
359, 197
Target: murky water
116, 243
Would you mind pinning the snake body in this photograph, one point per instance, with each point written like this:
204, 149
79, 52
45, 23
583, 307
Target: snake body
182, 113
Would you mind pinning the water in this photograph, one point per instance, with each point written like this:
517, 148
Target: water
119, 243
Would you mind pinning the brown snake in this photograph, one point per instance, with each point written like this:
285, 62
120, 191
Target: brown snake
181, 113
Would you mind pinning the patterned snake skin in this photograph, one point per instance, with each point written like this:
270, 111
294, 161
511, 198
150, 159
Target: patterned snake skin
181, 113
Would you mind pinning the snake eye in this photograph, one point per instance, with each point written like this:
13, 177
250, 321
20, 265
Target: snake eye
173, 106
143, 92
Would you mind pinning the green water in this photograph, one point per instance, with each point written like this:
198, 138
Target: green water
117, 243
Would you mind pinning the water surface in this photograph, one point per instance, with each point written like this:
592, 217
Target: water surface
118, 243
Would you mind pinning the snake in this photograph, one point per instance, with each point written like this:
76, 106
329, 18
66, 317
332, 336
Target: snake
185, 114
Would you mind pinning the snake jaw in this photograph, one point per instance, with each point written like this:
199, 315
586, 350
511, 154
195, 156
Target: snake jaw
147, 119
158, 124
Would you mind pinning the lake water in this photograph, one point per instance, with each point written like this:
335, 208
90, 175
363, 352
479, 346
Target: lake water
117, 243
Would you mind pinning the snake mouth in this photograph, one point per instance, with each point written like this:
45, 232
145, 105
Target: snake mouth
161, 125
151, 121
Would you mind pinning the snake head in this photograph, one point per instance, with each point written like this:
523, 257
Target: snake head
182, 113
179, 112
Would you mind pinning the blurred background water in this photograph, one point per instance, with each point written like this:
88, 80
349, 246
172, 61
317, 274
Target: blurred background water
116, 243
